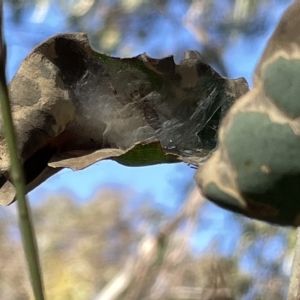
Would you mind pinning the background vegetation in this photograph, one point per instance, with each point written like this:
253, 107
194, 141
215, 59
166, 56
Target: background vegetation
122, 245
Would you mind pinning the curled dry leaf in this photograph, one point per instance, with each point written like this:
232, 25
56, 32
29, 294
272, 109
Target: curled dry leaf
73, 107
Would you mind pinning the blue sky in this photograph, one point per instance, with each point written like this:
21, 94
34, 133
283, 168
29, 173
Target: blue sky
165, 185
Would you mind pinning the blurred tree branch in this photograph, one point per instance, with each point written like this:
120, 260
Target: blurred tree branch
294, 286
155, 258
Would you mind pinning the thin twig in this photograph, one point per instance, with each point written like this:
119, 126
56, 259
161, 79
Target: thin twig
16, 173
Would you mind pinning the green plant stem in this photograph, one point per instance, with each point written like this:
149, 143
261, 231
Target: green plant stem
25, 223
